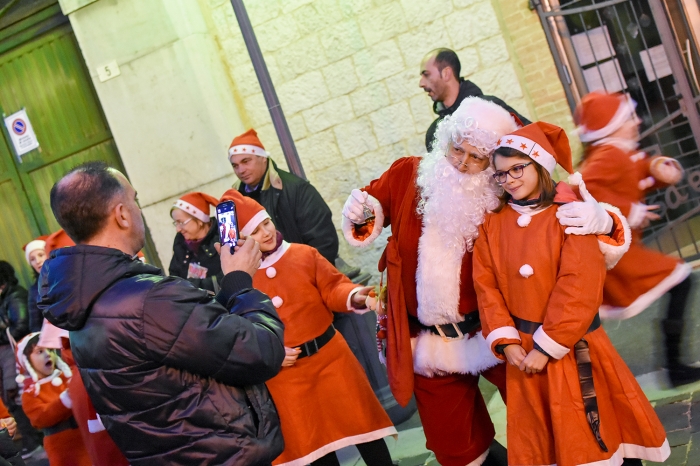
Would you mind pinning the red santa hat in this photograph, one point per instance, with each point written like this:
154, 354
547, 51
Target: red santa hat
250, 213
27, 375
544, 143
58, 239
600, 114
34, 245
196, 204
247, 143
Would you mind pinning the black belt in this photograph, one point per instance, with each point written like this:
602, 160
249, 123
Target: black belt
530, 328
311, 347
455, 331
60, 427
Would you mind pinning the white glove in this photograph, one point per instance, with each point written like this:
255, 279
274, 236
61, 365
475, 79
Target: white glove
585, 218
354, 207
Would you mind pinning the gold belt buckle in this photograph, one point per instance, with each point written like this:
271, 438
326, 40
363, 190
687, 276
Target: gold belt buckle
447, 339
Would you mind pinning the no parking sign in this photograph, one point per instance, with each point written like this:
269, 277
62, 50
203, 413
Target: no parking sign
21, 133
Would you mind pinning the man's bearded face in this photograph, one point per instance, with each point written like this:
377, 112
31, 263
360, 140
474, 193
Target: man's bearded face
466, 158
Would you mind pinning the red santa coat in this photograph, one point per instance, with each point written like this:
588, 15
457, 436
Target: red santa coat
49, 407
622, 178
324, 401
536, 272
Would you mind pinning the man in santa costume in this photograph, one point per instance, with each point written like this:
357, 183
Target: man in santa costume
435, 205
616, 172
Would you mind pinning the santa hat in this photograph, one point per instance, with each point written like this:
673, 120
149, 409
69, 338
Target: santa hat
35, 245
27, 376
247, 143
250, 213
600, 114
196, 204
544, 143
58, 239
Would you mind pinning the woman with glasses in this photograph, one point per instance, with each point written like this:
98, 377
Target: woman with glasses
194, 256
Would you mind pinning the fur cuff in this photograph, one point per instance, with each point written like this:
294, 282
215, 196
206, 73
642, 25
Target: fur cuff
95, 425
502, 333
615, 246
65, 399
350, 230
552, 348
432, 356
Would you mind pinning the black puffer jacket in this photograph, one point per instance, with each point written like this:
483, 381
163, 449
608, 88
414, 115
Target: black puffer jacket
206, 256
13, 313
175, 376
36, 319
466, 89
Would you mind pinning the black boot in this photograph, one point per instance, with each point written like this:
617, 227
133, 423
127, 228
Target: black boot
678, 373
498, 456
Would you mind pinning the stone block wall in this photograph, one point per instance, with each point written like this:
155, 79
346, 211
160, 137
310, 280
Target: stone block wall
346, 73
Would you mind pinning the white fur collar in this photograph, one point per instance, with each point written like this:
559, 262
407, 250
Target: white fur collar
275, 256
528, 210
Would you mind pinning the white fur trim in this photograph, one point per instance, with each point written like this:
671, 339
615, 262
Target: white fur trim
349, 301
95, 425
680, 273
526, 271
65, 399
342, 443
277, 302
347, 225
552, 348
275, 256
624, 112
192, 210
32, 246
524, 220
271, 272
508, 333
432, 356
613, 254
247, 149
253, 223
628, 450
530, 148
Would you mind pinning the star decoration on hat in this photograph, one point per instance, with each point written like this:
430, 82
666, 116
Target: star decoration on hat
498, 143
523, 146
536, 154
509, 141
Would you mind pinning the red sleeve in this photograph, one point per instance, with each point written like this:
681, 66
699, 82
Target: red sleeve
44, 411
496, 322
611, 176
4, 413
382, 188
333, 286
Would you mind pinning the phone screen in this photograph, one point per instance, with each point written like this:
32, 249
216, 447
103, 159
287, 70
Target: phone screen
228, 223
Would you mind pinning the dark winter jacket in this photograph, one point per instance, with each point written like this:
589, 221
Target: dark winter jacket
36, 319
13, 313
297, 210
206, 256
466, 89
176, 377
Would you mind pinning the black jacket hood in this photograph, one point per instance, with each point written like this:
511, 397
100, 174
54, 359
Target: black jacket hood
466, 89
73, 278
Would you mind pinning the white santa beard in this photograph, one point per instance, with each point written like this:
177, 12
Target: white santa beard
453, 205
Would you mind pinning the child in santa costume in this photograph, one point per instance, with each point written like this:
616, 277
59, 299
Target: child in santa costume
571, 398
322, 394
616, 172
47, 403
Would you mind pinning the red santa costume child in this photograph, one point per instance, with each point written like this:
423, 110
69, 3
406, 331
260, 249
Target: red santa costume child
47, 404
619, 174
435, 205
571, 398
322, 394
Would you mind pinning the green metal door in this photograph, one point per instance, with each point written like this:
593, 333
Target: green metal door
47, 77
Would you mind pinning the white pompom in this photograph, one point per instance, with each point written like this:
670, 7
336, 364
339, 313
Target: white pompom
20, 379
524, 220
277, 301
575, 179
271, 272
526, 270
56, 382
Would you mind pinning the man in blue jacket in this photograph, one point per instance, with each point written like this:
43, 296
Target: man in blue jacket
175, 376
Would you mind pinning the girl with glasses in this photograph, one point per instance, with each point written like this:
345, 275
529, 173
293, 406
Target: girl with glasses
571, 398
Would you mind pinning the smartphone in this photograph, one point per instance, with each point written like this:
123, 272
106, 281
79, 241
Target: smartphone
227, 221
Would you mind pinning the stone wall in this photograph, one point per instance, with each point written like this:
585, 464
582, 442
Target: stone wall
347, 71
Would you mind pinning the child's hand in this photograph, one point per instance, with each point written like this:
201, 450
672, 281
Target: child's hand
514, 354
291, 355
10, 424
359, 299
534, 362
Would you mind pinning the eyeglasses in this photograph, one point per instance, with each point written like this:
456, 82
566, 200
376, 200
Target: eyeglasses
177, 224
515, 172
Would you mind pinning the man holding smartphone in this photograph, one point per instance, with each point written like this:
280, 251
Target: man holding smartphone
176, 377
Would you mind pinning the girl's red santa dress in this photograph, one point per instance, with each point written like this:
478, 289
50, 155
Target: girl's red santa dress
536, 284
324, 400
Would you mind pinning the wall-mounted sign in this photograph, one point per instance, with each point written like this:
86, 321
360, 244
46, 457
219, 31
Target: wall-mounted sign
108, 71
21, 133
